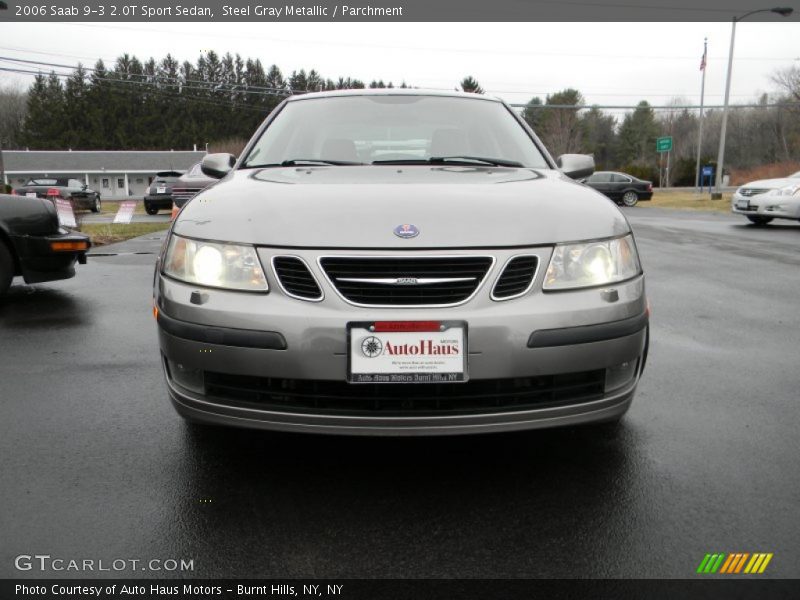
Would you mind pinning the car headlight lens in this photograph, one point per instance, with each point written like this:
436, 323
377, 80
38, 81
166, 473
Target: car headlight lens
791, 190
211, 264
592, 263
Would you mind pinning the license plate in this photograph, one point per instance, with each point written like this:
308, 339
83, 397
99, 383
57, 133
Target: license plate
407, 352
743, 204
31, 194
161, 190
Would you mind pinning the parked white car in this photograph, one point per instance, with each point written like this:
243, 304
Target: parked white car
767, 199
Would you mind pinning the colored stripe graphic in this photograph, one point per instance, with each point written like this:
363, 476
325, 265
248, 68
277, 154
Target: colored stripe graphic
735, 562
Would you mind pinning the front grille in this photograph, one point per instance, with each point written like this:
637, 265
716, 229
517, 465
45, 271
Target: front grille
752, 191
182, 195
391, 399
295, 278
407, 280
515, 278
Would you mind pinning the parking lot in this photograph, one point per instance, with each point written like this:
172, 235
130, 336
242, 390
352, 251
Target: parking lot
98, 465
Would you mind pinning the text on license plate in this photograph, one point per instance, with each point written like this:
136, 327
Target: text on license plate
407, 352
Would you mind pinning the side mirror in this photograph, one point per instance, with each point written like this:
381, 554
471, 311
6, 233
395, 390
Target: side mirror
217, 165
84, 187
576, 166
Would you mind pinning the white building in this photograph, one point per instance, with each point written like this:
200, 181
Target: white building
115, 174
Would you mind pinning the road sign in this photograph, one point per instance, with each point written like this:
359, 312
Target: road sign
663, 144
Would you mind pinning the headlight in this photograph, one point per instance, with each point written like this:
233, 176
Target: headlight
230, 266
592, 263
791, 190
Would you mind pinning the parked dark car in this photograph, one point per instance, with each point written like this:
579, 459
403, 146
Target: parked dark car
189, 185
81, 196
159, 194
620, 187
33, 245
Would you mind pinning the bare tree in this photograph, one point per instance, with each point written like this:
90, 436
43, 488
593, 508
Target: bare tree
12, 114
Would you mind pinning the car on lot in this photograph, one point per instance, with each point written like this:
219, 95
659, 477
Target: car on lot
33, 244
462, 283
190, 184
81, 196
159, 192
767, 199
620, 187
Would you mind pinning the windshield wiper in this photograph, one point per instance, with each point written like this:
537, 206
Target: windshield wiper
303, 162
441, 160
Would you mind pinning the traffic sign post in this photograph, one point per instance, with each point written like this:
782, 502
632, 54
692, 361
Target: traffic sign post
664, 144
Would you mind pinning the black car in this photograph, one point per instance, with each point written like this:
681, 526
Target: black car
620, 187
33, 245
159, 194
81, 196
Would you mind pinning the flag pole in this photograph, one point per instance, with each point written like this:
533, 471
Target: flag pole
703, 61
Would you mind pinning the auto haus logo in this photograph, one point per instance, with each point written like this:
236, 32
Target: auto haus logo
372, 347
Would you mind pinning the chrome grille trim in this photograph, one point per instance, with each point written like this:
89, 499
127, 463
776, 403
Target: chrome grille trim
477, 289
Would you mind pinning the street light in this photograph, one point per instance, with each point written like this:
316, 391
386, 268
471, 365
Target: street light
783, 11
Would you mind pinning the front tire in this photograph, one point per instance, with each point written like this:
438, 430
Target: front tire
6, 268
630, 198
759, 221
150, 209
96, 206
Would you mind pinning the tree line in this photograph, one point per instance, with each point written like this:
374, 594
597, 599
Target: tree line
166, 104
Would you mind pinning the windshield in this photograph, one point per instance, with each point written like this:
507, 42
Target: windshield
385, 128
45, 182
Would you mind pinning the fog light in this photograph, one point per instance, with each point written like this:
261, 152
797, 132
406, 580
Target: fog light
620, 375
191, 379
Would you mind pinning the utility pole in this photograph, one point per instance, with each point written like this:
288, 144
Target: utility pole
782, 11
2, 169
700, 127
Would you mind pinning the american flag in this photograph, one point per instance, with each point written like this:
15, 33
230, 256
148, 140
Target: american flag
703, 59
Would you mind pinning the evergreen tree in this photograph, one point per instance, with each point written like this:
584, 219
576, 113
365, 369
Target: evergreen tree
470, 84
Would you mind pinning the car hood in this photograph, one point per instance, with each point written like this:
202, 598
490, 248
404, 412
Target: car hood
359, 207
772, 183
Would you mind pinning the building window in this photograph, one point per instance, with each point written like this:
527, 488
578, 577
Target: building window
105, 183
120, 183
139, 180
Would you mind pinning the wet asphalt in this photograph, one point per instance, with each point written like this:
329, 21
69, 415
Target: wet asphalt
96, 464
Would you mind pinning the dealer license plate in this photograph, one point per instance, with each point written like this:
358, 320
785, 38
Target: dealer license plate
743, 204
407, 352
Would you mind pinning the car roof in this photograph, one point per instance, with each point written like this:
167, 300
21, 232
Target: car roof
393, 92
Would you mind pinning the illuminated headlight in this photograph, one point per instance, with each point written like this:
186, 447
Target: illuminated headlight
592, 263
212, 264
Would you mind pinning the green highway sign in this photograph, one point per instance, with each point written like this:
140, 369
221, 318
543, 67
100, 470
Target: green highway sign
663, 144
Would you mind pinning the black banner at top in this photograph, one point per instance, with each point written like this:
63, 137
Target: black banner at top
385, 10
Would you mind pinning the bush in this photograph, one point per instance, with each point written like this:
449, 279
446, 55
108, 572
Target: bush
7, 189
646, 172
770, 171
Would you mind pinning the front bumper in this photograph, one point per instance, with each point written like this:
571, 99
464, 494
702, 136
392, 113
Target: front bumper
767, 205
39, 262
260, 342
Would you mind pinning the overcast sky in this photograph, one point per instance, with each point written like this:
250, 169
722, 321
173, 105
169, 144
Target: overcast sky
609, 63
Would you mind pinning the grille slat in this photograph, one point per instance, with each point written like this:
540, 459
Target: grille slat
338, 397
516, 277
443, 293
295, 278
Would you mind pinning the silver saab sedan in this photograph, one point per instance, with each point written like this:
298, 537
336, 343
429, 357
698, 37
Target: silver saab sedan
398, 262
